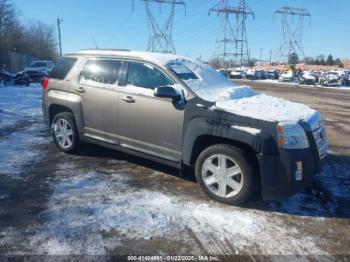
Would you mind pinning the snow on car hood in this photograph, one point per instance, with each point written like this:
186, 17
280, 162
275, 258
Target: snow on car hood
226, 93
267, 108
241, 100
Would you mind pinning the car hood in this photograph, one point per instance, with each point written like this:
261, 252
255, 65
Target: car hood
245, 101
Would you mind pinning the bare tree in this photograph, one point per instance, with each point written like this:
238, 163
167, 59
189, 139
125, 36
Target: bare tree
40, 40
34, 38
10, 27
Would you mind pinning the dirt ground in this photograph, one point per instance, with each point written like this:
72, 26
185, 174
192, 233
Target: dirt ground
100, 202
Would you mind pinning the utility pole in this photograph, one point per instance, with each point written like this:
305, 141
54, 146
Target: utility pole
232, 45
160, 35
59, 21
292, 33
249, 52
261, 50
270, 56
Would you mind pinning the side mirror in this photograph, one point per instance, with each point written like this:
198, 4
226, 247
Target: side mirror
168, 92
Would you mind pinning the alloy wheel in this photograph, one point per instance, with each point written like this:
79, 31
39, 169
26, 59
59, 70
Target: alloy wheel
63, 133
222, 175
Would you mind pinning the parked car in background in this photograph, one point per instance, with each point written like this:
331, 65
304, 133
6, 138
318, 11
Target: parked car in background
20, 78
37, 70
345, 78
261, 74
237, 140
272, 74
317, 75
330, 79
286, 76
307, 78
251, 74
237, 74
224, 72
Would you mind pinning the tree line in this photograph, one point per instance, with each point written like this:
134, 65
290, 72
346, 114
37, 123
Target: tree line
33, 38
318, 60
321, 60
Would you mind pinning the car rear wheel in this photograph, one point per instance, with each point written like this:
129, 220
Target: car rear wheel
224, 174
64, 132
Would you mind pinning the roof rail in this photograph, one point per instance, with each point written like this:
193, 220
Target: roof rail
106, 49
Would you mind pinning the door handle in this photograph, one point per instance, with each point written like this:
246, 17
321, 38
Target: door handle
80, 89
129, 99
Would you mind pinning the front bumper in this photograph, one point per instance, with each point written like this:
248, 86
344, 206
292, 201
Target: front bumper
278, 172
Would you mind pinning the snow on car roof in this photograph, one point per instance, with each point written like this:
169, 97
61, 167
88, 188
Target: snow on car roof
158, 58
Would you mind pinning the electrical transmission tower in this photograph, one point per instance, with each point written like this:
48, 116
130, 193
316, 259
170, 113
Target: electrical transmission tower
160, 35
292, 39
232, 46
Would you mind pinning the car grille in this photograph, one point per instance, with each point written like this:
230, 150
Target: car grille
320, 136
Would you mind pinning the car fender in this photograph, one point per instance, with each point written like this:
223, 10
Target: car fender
69, 100
259, 142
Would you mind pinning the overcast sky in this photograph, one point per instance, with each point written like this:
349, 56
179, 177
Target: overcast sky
113, 24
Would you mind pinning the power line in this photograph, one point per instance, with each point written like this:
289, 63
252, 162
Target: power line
160, 35
232, 46
292, 33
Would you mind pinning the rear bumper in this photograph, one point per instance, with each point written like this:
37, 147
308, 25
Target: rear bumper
37, 77
277, 172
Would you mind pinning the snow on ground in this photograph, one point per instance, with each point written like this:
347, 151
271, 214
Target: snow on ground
20, 118
85, 208
274, 81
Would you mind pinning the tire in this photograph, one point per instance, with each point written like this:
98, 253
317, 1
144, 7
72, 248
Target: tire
64, 132
234, 157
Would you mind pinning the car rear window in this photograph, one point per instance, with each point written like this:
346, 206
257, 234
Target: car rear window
62, 68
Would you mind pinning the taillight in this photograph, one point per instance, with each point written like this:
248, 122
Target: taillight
45, 83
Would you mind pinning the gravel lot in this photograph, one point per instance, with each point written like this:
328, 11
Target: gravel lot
100, 202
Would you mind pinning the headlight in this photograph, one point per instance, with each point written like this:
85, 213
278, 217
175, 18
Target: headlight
291, 136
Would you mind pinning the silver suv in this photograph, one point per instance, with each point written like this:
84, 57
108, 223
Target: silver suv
179, 112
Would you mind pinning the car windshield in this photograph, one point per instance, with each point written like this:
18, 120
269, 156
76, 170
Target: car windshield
38, 64
203, 80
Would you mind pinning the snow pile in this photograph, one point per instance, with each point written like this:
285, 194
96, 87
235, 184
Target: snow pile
267, 108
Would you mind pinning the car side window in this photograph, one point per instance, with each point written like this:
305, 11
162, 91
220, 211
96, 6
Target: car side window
101, 72
147, 76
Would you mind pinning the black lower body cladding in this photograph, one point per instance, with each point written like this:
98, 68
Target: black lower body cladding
278, 172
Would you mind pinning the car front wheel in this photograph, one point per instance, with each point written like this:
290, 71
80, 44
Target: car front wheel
224, 174
64, 132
